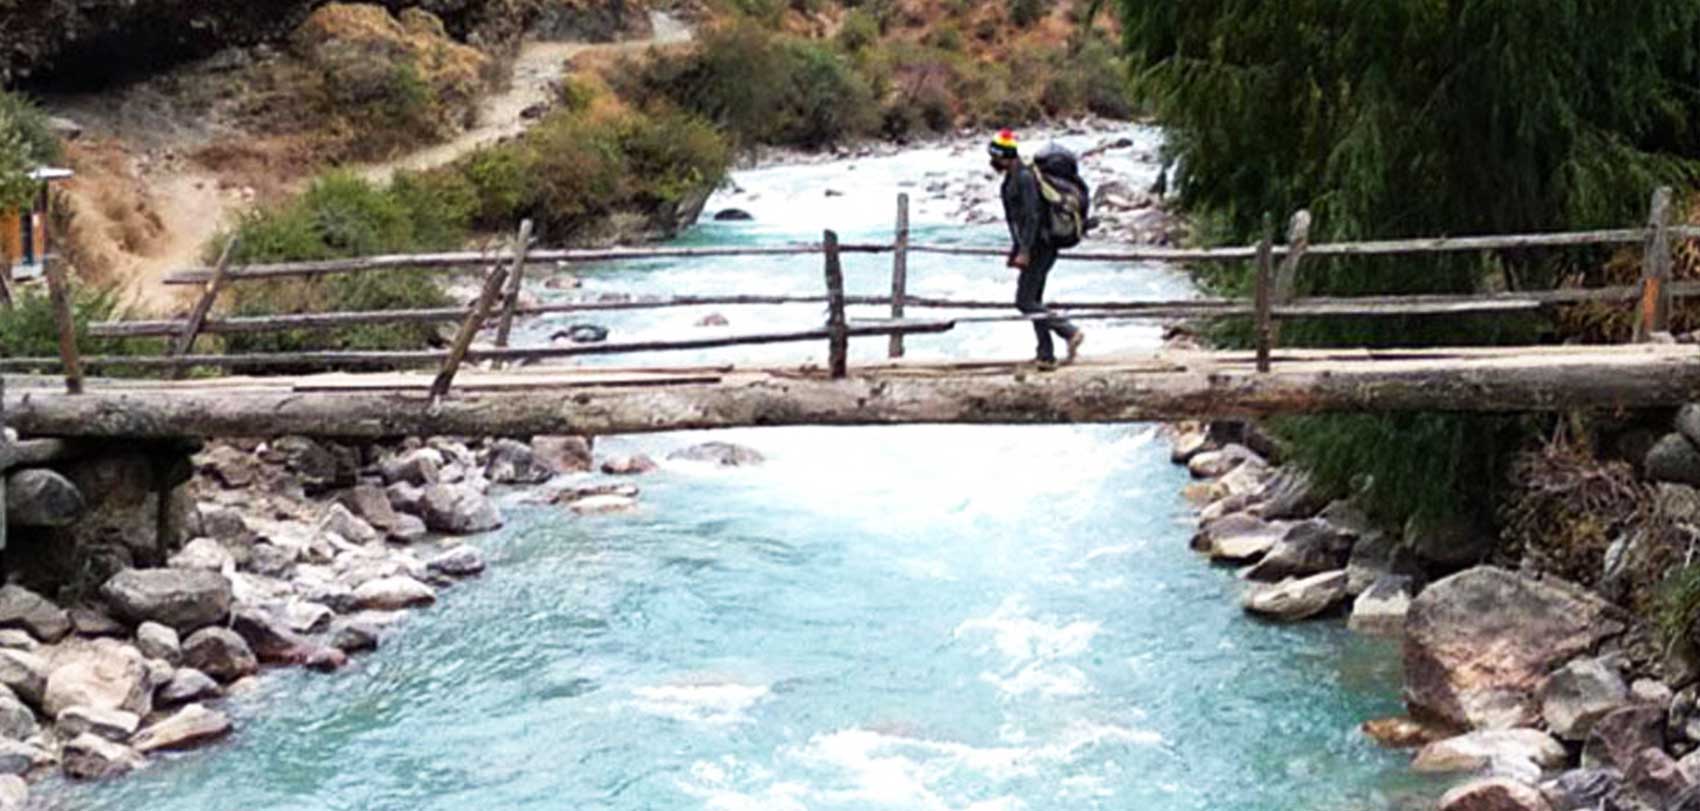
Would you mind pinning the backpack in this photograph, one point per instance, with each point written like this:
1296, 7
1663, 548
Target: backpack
1068, 201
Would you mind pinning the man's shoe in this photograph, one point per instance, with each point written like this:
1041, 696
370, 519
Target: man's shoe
1045, 364
1074, 342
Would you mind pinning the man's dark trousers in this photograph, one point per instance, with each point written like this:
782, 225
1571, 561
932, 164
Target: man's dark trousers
1030, 298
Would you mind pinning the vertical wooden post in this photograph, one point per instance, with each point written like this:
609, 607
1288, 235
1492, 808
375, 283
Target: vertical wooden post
5, 457
1286, 277
838, 342
899, 271
185, 342
1654, 313
468, 330
1265, 281
60, 295
515, 275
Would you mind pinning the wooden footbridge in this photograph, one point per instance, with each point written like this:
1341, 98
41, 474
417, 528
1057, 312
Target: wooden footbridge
495, 389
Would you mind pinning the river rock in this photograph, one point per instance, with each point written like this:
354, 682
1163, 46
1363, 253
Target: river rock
1581, 789
352, 528
1238, 538
732, 215
184, 599
568, 454
1616, 738
1376, 555
408, 529
1674, 459
1654, 777
371, 504
355, 636
1494, 794
1476, 750
271, 641
1479, 644
1226, 506
713, 320
39, 497
187, 684
1289, 495
25, 674
17, 721
88, 622
1579, 694
189, 727
1307, 548
1247, 479
20, 757
515, 463
14, 639
392, 593
337, 596
220, 653
1651, 691
1215, 464
421, 467
602, 505
91, 757
459, 510
1189, 442
307, 617
1682, 720
461, 561
582, 334
1402, 732
24, 609
319, 467
113, 725
1448, 542
14, 793
205, 554
724, 454
156, 641
1381, 609
104, 674
635, 465
1299, 598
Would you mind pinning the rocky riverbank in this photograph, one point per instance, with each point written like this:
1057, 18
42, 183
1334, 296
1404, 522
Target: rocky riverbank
302, 554
1539, 694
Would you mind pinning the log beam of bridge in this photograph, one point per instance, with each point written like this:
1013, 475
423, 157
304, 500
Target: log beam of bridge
1166, 386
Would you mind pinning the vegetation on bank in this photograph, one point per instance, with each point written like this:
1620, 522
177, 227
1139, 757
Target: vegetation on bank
26, 142
1411, 119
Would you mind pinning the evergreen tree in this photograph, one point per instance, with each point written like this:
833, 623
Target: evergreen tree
1419, 118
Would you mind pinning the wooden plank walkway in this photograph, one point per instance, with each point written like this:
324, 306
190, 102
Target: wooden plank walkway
598, 400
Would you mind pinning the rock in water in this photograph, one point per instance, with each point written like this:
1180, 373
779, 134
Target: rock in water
22, 608
515, 463
1308, 547
1579, 694
91, 757
1297, 599
582, 334
1472, 751
220, 653
732, 215
1381, 609
1480, 643
1238, 538
1494, 794
187, 684
393, 593
461, 561
568, 454
723, 454
1581, 789
635, 465
459, 510
114, 725
42, 498
189, 727
184, 599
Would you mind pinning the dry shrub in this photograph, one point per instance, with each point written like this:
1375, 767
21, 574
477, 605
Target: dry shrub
1614, 322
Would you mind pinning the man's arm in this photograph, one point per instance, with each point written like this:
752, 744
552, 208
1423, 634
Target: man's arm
1028, 215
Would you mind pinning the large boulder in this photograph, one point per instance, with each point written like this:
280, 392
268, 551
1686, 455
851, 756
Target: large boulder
91, 757
723, 454
1381, 609
1308, 547
1479, 644
371, 504
39, 497
459, 510
1674, 459
184, 599
1477, 750
220, 653
1299, 598
1615, 739
22, 608
103, 674
187, 728
1579, 694
1238, 538
1376, 555
1214, 464
515, 463
568, 454
1494, 794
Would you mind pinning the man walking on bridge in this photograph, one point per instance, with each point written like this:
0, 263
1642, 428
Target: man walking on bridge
1033, 251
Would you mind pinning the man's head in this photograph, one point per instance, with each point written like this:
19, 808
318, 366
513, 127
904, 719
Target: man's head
1003, 150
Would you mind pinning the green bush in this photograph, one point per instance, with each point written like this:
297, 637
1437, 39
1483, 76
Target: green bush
30, 330
26, 141
945, 37
500, 177
860, 29
1024, 13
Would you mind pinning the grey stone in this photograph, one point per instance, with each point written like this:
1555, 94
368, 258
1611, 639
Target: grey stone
355, 636
25, 674
320, 467
24, 609
1376, 555
461, 561
392, 593
226, 525
1650, 691
1688, 422
271, 560
1307, 548
406, 498
268, 637
88, 622
1380, 610
723, 454
113, 725
1214, 464
1616, 738
1653, 776
514, 463
184, 599
19, 757
15, 639
91, 757
17, 721
38, 497
371, 504
1447, 541
156, 641
1189, 443
1674, 459
205, 554
1298, 598
459, 510
635, 465
1238, 538
305, 617
1479, 644
1290, 496
420, 468
1494, 794
102, 673
1579, 694
351, 527
568, 454
14, 793
187, 684
220, 653
408, 529
1581, 789
189, 727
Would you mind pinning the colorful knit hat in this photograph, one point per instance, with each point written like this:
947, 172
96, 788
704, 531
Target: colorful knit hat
1003, 145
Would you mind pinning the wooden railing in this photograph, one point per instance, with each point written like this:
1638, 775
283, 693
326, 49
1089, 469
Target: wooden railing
1273, 299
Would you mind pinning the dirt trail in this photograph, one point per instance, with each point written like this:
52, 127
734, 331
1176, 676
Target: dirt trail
143, 211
